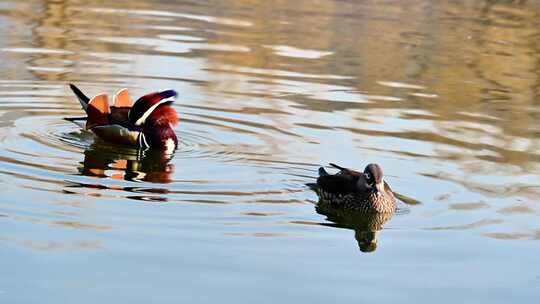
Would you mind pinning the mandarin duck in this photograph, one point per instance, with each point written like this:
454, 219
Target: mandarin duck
352, 190
147, 123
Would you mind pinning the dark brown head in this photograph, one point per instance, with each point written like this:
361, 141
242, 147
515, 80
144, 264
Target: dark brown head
374, 177
155, 115
154, 109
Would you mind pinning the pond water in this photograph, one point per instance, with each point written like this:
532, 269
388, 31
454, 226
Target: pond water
445, 96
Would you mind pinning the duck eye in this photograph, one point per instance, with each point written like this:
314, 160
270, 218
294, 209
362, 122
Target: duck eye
368, 176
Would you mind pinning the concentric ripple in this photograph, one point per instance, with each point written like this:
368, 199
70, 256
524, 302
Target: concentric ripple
209, 165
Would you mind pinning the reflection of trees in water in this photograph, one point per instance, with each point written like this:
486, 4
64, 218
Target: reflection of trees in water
366, 226
488, 59
479, 58
70, 31
52, 31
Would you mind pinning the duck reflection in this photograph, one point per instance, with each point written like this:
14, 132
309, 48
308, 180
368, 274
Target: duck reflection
366, 226
127, 164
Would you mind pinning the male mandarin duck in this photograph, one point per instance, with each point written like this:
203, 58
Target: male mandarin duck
146, 123
353, 190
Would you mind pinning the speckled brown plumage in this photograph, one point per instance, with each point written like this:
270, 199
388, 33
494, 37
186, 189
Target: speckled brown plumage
352, 190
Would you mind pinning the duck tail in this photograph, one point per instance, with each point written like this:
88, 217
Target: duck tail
313, 186
83, 99
322, 172
79, 121
338, 167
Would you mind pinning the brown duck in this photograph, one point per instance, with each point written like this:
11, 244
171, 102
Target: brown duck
352, 190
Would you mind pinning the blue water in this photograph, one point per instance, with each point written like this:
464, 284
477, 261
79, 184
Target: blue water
442, 95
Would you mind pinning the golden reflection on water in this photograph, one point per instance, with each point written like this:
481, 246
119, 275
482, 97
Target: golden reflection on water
492, 66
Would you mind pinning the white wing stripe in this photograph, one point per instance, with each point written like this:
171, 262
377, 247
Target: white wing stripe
143, 118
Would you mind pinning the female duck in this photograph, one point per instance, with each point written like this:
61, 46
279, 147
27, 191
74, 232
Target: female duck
353, 190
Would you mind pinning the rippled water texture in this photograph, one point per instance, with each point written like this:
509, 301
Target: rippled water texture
444, 95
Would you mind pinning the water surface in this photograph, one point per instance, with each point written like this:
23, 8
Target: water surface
445, 96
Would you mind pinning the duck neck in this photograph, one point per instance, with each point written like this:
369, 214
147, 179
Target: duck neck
160, 136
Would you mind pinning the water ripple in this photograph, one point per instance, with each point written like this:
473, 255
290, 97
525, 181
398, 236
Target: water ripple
268, 92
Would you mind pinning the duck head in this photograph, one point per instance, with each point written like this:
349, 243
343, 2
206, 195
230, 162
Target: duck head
156, 117
374, 178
